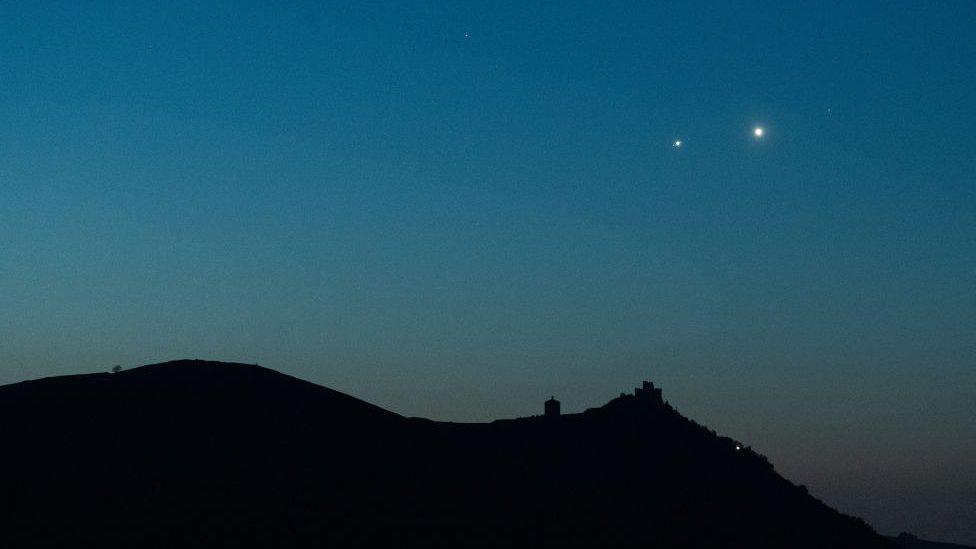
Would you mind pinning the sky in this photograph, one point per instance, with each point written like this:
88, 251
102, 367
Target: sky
457, 209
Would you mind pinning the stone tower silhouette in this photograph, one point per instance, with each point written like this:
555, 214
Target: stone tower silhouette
552, 407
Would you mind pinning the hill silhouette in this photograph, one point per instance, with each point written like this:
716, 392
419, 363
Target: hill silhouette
195, 453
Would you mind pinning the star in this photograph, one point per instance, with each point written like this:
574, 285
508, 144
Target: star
677, 144
758, 132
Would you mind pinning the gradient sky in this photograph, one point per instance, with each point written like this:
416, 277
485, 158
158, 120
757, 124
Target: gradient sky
455, 210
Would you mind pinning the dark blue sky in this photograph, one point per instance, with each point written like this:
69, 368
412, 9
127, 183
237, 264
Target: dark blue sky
455, 210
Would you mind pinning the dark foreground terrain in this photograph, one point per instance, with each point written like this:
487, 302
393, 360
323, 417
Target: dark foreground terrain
194, 453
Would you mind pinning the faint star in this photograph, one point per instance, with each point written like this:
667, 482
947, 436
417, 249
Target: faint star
677, 143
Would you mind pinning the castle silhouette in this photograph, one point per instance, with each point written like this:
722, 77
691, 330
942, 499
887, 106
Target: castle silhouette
649, 393
646, 393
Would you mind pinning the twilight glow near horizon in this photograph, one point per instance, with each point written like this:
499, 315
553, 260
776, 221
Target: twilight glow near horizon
455, 210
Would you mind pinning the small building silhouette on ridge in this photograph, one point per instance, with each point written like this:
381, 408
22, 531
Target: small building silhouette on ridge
552, 407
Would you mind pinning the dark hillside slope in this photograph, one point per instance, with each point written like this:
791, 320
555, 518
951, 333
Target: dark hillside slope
194, 453
908, 541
